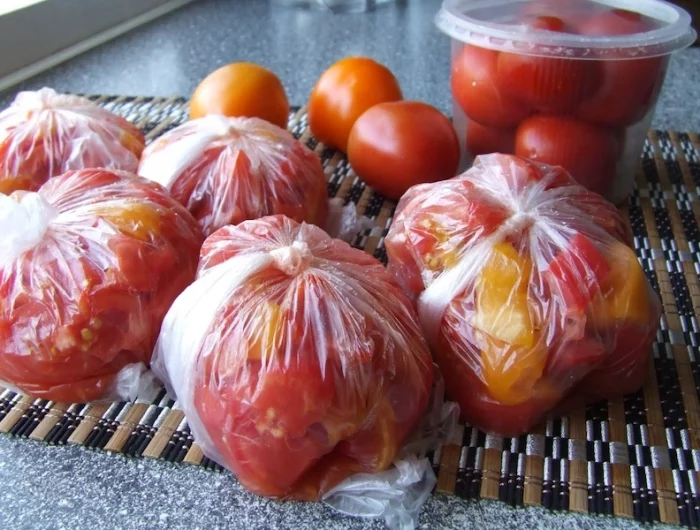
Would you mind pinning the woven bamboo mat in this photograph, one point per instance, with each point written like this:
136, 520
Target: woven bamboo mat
636, 457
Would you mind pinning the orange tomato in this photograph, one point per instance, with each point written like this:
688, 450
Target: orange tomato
242, 89
343, 93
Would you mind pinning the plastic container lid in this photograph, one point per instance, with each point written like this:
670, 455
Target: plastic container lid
498, 25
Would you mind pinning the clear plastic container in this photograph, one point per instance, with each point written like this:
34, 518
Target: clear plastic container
564, 82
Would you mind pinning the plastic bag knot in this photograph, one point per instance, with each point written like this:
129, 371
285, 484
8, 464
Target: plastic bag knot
294, 259
24, 220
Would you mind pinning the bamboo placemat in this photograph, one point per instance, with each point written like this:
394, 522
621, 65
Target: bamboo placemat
636, 457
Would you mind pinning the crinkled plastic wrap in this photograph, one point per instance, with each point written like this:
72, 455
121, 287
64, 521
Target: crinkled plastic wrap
228, 170
44, 134
527, 291
89, 266
297, 360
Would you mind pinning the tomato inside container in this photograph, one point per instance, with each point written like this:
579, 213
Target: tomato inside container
568, 82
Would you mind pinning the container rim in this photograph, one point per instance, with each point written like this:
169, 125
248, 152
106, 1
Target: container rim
453, 19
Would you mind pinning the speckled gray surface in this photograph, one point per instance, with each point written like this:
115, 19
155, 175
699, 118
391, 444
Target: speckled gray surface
73, 488
68, 487
171, 55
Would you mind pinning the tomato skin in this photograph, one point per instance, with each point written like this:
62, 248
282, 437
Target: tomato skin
588, 152
476, 89
396, 145
578, 272
482, 140
628, 92
614, 22
89, 298
343, 93
549, 84
241, 89
546, 22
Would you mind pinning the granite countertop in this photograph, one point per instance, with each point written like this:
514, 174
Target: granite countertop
70, 487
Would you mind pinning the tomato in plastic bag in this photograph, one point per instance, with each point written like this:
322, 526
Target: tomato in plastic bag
44, 134
527, 291
228, 170
296, 358
89, 266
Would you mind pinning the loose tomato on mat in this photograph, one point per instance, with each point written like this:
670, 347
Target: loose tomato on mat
343, 93
396, 145
587, 151
482, 140
476, 89
241, 90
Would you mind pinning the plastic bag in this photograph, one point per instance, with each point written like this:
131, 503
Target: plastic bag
228, 170
296, 359
526, 289
89, 266
398, 494
44, 134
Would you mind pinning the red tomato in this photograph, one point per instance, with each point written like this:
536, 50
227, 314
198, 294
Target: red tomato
630, 86
89, 299
628, 92
588, 152
482, 140
549, 84
546, 22
578, 272
476, 90
343, 93
396, 145
614, 22
625, 369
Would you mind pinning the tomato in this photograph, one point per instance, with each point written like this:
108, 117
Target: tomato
432, 236
241, 89
511, 373
546, 22
44, 134
89, 298
588, 152
343, 93
310, 373
576, 358
578, 272
396, 145
550, 84
624, 295
464, 385
502, 308
482, 140
628, 92
614, 22
476, 89
228, 170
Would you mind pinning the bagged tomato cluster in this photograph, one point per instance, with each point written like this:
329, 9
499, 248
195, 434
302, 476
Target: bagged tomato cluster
227, 170
297, 360
527, 291
557, 100
44, 134
89, 266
